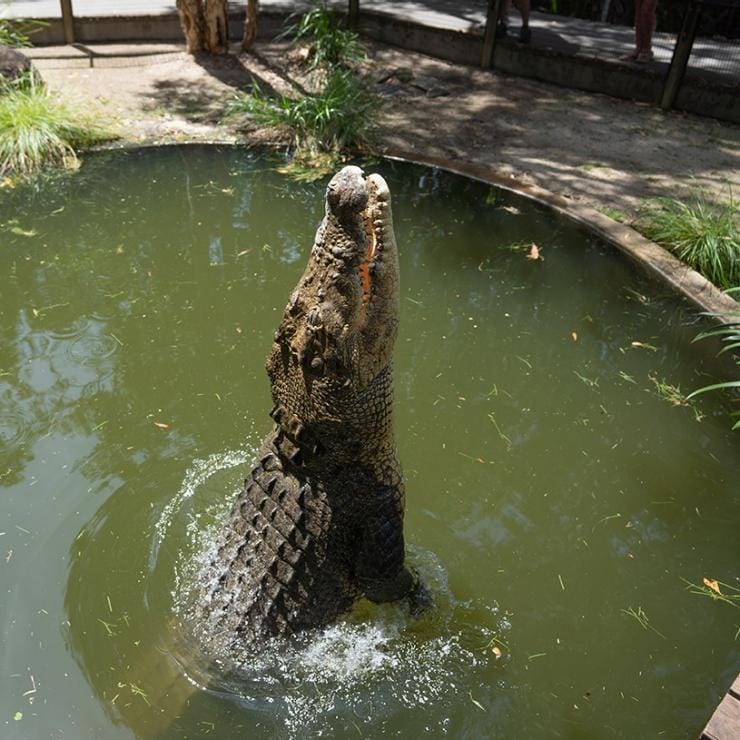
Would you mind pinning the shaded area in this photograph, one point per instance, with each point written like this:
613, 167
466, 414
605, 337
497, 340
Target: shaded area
197, 101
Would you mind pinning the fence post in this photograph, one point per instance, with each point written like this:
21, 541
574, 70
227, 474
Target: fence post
68, 21
489, 37
681, 54
354, 14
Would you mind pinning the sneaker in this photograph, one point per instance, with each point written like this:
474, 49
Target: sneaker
629, 57
525, 35
501, 30
644, 56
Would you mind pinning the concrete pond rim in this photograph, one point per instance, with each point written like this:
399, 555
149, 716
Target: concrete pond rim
648, 255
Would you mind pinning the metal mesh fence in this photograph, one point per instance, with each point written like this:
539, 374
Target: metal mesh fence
715, 54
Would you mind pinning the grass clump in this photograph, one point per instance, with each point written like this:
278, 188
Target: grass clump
674, 395
329, 45
334, 116
38, 130
16, 32
322, 124
729, 334
703, 235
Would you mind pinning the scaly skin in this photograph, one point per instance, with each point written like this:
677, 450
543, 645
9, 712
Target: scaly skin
319, 521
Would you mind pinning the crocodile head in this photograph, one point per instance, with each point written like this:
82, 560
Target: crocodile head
330, 365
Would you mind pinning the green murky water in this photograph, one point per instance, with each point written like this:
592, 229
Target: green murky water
556, 503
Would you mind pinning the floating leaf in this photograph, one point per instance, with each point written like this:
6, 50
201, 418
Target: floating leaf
712, 584
18, 231
496, 650
643, 345
534, 252
18, 716
476, 702
161, 425
574, 336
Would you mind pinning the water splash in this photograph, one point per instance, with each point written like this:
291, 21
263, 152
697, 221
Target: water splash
371, 667
195, 478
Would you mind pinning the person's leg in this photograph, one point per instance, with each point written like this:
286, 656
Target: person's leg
524, 34
524, 10
503, 18
632, 55
647, 25
640, 25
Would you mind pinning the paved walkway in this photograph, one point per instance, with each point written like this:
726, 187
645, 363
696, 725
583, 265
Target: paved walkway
568, 35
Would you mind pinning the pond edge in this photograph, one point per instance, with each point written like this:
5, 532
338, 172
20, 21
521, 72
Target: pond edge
653, 258
647, 254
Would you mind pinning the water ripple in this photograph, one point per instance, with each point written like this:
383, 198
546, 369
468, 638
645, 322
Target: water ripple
91, 348
14, 428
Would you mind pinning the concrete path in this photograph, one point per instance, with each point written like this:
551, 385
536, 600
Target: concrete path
569, 35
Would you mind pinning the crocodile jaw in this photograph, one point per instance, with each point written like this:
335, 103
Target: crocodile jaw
338, 330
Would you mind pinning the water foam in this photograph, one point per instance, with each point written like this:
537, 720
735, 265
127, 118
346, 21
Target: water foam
368, 668
195, 477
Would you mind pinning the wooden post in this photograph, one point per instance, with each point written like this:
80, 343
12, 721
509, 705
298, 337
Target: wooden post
489, 37
68, 21
353, 16
681, 54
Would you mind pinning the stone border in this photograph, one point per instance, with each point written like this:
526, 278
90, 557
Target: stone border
647, 254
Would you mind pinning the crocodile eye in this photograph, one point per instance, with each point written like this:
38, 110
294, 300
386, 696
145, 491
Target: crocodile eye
317, 363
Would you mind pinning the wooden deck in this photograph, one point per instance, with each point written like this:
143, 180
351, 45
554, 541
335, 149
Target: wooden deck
725, 722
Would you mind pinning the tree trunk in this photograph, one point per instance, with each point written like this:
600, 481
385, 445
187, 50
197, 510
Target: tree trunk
250, 25
217, 21
193, 21
205, 24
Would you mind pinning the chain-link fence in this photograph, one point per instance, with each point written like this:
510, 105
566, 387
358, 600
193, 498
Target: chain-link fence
715, 53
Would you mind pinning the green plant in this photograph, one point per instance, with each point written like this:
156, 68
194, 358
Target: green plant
337, 118
330, 45
673, 395
703, 235
729, 334
16, 32
37, 129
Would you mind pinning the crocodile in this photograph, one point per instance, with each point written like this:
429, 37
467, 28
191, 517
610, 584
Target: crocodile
319, 520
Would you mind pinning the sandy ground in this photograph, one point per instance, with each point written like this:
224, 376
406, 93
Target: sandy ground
608, 153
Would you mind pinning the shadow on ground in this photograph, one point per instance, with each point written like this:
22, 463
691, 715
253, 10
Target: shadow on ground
200, 100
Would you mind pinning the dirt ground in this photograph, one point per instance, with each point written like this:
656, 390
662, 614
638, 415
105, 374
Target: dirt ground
608, 153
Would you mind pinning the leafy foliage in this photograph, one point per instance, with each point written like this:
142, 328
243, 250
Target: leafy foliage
338, 112
338, 117
331, 46
16, 32
37, 129
729, 334
703, 235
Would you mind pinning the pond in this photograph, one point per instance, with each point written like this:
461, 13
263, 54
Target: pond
558, 502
